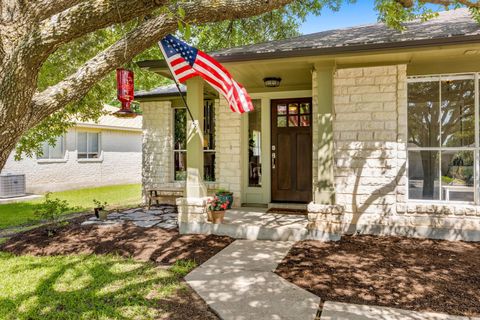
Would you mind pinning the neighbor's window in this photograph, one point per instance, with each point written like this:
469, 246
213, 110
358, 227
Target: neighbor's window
180, 142
442, 149
88, 145
56, 151
255, 145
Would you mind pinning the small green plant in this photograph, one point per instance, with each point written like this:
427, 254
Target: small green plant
223, 191
99, 205
51, 210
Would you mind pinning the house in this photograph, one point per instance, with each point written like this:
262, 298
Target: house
90, 154
375, 129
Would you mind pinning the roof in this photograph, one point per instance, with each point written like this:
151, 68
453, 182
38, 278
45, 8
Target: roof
110, 121
450, 27
163, 91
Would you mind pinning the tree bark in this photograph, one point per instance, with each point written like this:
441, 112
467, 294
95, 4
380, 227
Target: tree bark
31, 31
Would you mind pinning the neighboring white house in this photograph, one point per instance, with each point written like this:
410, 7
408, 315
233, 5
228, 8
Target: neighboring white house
90, 154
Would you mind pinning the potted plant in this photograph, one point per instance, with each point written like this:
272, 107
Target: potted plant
225, 195
99, 209
216, 208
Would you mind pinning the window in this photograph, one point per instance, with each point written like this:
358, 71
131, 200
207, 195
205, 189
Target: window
442, 138
293, 115
255, 145
88, 145
180, 143
56, 151
209, 141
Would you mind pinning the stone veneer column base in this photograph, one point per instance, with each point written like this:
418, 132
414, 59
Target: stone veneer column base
325, 222
191, 211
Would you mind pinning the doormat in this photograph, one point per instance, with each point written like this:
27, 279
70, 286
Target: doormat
301, 212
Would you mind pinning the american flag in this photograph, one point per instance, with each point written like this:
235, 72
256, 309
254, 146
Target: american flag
186, 62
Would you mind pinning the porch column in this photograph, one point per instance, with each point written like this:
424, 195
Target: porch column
195, 188
324, 192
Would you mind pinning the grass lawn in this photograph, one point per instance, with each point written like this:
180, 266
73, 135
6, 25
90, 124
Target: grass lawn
86, 287
14, 214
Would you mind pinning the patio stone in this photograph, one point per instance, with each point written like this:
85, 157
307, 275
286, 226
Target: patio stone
146, 224
167, 225
115, 215
100, 223
137, 216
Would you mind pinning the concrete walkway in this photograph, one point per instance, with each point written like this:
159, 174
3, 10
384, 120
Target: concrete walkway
347, 311
238, 284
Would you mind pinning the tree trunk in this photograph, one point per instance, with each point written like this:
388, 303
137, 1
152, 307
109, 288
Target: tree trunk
430, 172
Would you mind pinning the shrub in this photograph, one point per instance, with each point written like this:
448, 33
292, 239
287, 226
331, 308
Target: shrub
51, 210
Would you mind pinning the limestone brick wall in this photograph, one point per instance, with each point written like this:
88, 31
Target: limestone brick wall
228, 150
370, 132
157, 145
369, 104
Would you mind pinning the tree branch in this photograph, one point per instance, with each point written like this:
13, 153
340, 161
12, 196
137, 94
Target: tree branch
43, 9
81, 19
144, 36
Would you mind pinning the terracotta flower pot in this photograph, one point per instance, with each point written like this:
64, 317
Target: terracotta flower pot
209, 216
218, 216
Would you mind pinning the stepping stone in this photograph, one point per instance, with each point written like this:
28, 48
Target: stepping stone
168, 226
132, 210
146, 224
100, 223
115, 215
137, 216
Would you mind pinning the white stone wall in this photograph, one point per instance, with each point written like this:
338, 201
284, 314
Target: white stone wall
119, 163
370, 106
367, 140
228, 156
157, 145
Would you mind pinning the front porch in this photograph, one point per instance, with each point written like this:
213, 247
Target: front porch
257, 224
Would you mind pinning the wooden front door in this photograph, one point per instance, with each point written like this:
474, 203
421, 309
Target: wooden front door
291, 150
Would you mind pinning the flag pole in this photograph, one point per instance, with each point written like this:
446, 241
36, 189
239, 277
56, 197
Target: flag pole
180, 91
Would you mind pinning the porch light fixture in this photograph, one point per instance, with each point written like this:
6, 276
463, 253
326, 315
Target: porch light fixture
272, 82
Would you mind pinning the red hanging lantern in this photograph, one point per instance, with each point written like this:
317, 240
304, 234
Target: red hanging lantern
125, 92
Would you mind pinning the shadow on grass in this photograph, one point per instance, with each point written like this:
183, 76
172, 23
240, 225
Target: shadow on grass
89, 287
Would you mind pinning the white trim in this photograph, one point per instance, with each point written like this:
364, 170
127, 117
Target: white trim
282, 94
56, 160
101, 126
99, 150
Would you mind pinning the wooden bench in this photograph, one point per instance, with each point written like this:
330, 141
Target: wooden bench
159, 194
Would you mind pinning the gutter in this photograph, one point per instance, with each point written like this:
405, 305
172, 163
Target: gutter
308, 52
101, 126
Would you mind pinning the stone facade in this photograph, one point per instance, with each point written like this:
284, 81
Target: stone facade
370, 132
228, 138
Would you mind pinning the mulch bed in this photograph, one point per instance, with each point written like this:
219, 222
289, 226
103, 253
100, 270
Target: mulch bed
154, 244
414, 274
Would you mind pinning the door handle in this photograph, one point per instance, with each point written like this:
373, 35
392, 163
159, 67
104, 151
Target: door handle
273, 160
